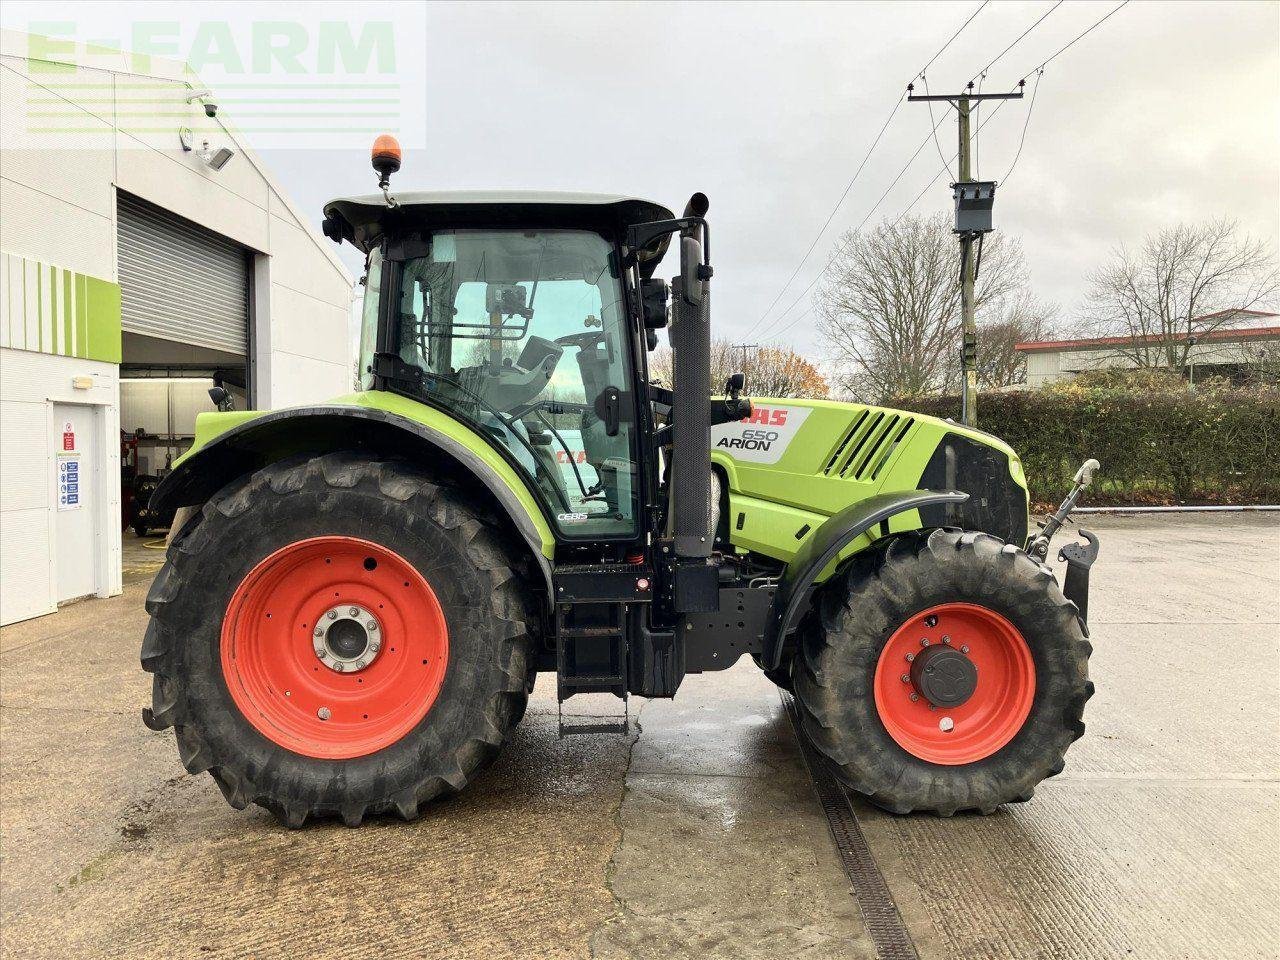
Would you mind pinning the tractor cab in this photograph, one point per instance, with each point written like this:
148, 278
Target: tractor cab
515, 313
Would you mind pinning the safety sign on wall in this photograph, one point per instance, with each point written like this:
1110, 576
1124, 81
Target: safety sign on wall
70, 488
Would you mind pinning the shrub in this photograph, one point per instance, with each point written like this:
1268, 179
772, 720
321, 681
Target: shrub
1158, 441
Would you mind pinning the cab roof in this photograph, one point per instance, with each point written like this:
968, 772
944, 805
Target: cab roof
363, 220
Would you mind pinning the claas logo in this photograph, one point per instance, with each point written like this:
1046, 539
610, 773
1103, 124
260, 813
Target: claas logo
766, 417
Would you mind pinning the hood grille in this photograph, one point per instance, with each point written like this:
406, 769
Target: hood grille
867, 445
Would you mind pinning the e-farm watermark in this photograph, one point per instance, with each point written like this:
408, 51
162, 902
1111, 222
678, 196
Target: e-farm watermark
282, 84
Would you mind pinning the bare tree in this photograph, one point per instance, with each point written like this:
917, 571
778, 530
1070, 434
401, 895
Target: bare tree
771, 371
889, 304
1020, 319
1186, 281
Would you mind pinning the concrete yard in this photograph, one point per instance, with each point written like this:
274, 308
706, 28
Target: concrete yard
700, 836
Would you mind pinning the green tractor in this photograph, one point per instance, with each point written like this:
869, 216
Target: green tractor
359, 595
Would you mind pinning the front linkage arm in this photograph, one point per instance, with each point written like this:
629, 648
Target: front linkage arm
1079, 557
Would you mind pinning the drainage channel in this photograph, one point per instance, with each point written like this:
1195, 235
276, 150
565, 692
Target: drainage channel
879, 911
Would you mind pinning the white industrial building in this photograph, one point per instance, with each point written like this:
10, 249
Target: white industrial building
135, 269
1226, 344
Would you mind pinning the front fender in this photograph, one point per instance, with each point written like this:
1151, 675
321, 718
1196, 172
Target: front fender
269, 437
824, 545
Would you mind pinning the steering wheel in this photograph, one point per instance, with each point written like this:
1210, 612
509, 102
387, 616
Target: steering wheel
582, 341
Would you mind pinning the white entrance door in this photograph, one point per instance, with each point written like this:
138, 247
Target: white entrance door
77, 500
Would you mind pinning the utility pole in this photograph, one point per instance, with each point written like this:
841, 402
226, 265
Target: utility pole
744, 347
974, 199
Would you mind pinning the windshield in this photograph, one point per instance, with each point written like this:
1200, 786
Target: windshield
523, 334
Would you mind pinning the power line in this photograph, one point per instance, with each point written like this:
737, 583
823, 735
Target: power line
933, 133
929, 186
1076, 39
1025, 123
1021, 37
1035, 70
876, 206
1038, 70
849, 186
830, 216
952, 40
945, 166
982, 74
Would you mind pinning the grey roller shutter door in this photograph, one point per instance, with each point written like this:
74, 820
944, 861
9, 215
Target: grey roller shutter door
179, 281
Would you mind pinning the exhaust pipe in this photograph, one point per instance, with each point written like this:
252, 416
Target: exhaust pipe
697, 583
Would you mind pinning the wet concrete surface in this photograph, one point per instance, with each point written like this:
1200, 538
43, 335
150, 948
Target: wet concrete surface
1161, 838
725, 852
111, 850
698, 836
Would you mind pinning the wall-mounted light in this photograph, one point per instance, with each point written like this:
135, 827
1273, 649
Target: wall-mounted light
217, 159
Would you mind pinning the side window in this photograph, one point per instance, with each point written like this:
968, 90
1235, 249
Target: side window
522, 333
369, 320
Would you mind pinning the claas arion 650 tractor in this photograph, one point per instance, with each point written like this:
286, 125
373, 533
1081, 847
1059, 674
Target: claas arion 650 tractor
358, 595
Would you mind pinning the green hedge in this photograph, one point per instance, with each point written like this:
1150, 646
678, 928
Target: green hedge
1158, 441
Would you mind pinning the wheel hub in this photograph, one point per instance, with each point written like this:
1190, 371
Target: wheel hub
954, 683
944, 676
334, 647
348, 638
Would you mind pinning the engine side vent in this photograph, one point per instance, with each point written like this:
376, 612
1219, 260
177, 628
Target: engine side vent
859, 444
886, 450
841, 452
881, 444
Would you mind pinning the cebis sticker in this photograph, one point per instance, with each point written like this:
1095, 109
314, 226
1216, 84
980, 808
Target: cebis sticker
762, 437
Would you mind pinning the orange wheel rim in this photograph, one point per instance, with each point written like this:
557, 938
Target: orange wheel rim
1001, 676
334, 647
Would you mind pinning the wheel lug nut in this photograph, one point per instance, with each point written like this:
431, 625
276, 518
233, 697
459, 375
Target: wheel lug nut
946, 640
323, 713
373, 625
924, 642
915, 697
964, 649
319, 631
320, 652
333, 615
354, 611
359, 664
905, 678
337, 666
374, 646
910, 657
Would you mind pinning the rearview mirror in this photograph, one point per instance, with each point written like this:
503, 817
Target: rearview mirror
691, 270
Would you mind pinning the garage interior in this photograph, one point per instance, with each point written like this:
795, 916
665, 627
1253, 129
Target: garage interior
185, 295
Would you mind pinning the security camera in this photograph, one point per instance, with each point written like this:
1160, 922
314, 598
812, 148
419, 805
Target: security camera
210, 108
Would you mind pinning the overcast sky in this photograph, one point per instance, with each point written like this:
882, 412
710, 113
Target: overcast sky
1167, 112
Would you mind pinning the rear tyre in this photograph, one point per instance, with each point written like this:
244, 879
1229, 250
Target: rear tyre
981, 718
339, 636
781, 677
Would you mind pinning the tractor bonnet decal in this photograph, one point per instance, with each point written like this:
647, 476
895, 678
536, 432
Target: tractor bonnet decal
762, 437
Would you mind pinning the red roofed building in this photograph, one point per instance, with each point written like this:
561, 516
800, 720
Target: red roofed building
1228, 348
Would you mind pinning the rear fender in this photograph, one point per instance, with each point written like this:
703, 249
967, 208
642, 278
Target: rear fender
269, 437
824, 546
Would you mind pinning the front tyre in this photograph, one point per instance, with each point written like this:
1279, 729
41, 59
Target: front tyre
339, 636
944, 671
